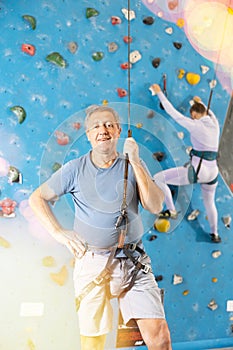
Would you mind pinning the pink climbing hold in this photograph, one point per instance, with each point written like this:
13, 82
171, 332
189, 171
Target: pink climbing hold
62, 138
127, 39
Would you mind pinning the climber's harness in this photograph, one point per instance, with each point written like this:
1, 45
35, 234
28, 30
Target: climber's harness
207, 155
128, 250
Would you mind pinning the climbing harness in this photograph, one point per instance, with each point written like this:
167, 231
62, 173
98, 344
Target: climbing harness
207, 155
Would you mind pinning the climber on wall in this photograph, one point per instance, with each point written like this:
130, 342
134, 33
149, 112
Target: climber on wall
202, 168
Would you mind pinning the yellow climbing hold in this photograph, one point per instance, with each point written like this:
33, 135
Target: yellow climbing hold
60, 277
180, 22
4, 243
181, 73
48, 261
214, 279
105, 102
139, 125
162, 225
193, 78
230, 10
185, 292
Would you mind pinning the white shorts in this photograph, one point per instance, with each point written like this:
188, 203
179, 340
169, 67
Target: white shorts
95, 314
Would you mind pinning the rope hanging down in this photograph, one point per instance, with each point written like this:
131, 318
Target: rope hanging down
122, 222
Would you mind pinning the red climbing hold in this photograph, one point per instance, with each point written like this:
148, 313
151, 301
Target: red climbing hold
231, 187
121, 92
126, 65
29, 49
127, 39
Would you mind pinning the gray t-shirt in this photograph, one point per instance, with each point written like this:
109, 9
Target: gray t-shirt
97, 195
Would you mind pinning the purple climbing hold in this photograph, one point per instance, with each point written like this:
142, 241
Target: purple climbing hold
148, 20
156, 62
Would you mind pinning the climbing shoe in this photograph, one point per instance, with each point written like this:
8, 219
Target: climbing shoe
215, 238
166, 214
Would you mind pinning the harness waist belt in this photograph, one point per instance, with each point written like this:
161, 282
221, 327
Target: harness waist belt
207, 155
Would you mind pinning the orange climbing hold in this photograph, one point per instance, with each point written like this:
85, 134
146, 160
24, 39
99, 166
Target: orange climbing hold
180, 22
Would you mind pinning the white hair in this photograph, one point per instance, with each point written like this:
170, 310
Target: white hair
96, 108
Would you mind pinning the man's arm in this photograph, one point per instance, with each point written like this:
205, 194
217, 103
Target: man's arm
39, 202
151, 196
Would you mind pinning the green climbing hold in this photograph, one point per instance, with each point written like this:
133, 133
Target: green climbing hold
97, 56
56, 166
57, 59
91, 12
31, 20
19, 112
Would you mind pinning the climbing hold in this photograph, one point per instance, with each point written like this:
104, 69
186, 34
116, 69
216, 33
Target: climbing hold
56, 166
152, 238
194, 214
185, 292
76, 125
139, 125
212, 305
48, 261
115, 20
19, 112
177, 279
204, 69
31, 20
57, 59
181, 73
8, 207
62, 138
177, 45
112, 47
150, 114
227, 221
156, 62
169, 30
193, 78
135, 56
72, 46
148, 20
188, 149
213, 83
172, 4
129, 15
126, 65
214, 280
97, 56
216, 254
180, 135
162, 225
231, 187
121, 92
91, 12
180, 22
105, 102
159, 278
159, 156
29, 49
60, 277
127, 39
230, 10
14, 175
4, 243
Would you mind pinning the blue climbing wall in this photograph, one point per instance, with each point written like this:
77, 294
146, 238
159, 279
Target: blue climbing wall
37, 300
